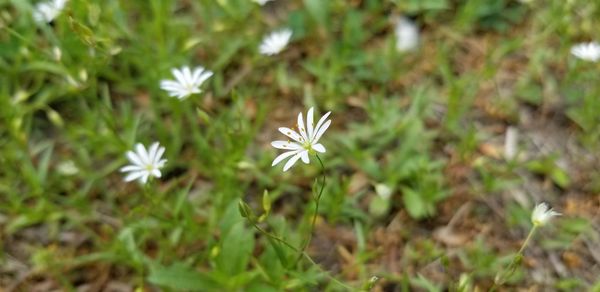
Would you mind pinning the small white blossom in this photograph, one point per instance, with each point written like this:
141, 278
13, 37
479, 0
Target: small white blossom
587, 51
46, 12
275, 42
407, 35
144, 163
305, 142
186, 82
510, 143
542, 214
261, 2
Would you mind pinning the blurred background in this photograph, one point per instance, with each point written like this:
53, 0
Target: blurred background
451, 119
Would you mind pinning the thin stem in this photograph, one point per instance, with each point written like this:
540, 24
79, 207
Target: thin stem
317, 199
506, 273
526, 242
302, 253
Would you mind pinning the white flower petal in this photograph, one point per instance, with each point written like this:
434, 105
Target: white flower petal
287, 145
203, 77
131, 168
304, 156
321, 131
319, 148
152, 152
142, 153
158, 156
170, 85
310, 123
134, 175
292, 161
300, 126
134, 158
283, 156
178, 76
319, 124
187, 74
292, 134
144, 178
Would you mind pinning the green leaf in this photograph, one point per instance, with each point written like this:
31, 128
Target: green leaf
181, 277
236, 250
317, 10
413, 203
379, 206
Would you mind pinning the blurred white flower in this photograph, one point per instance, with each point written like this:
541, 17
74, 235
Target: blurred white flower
261, 2
67, 168
587, 51
57, 53
305, 142
542, 214
384, 191
510, 143
45, 12
186, 82
144, 163
407, 35
275, 42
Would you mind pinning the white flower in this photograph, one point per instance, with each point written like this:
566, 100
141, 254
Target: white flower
48, 11
275, 42
510, 143
144, 163
304, 143
541, 214
186, 82
261, 2
587, 51
407, 35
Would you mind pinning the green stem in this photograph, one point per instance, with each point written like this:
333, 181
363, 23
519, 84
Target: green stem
507, 273
302, 253
526, 242
317, 199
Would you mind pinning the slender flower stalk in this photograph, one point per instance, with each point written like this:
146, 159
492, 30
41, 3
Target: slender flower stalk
540, 216
316, 199
302, 253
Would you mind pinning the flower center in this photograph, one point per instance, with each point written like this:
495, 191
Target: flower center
149, 167
308, 146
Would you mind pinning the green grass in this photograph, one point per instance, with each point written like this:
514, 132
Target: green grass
427, 125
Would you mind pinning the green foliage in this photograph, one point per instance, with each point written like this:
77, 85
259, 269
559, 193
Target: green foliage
77, 93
